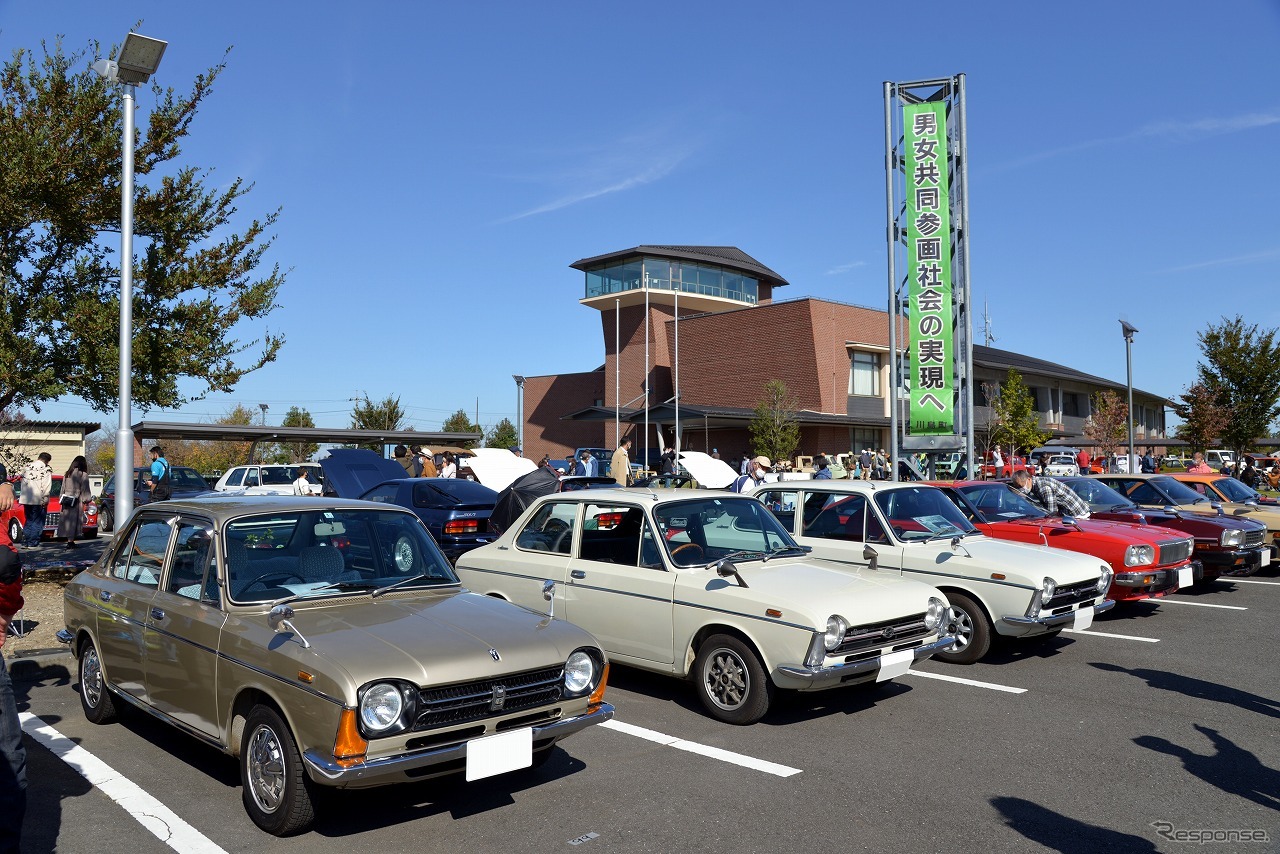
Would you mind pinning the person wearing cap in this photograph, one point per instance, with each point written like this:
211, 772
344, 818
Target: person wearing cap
715, 453
426, 459
757, 468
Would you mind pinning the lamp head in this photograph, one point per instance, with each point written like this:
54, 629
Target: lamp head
1128, 329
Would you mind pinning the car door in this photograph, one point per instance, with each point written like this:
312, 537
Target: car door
839, 526
619, 589
182, 631
542, 553
133, 577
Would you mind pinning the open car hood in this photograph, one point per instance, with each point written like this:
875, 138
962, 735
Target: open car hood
708, 471
351, 472
496, 468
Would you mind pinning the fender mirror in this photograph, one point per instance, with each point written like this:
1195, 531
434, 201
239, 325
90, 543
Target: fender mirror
549, 594
725, 568
871, 556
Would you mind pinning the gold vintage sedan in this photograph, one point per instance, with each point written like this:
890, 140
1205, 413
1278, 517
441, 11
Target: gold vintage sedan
323, 642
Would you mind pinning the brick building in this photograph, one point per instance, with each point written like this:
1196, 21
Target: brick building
733, 338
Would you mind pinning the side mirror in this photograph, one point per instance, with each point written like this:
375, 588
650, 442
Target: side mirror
279, 618
725, 568
871, 556
549, 594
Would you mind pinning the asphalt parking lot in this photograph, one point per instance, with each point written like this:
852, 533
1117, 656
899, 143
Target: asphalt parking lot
1152, 731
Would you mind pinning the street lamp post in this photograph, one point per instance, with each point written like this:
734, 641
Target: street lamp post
1128, 329
519, 411
137, 60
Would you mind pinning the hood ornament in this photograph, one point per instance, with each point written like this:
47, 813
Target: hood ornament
493, 653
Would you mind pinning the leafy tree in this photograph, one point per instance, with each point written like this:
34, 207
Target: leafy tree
459, 422
502, 435
12, 457
1241, 370
1204, 419
293, 452
386, 414
775, 430
1108, 423
194, 278
1014, 422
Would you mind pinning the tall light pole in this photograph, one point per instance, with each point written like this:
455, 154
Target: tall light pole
138, 59
1128, 329
264, 409
519, 411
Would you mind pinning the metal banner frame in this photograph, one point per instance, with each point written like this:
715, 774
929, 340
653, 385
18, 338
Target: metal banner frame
950, 92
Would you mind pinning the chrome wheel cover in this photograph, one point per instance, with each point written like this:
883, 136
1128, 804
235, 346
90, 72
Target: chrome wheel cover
725, 679
404, 554
264, 769
91, 677
964, 629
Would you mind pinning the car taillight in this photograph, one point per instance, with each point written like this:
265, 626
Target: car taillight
462, 526
608, 520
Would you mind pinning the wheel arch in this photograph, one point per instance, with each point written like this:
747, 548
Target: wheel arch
702, 634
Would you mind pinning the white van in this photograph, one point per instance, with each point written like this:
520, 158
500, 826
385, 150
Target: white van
1219, 458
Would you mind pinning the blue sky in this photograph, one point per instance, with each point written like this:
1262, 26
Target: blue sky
439, 166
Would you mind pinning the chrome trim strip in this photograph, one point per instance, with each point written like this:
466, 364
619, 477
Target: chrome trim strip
323, 769
837, 672
1058, 619
768, 620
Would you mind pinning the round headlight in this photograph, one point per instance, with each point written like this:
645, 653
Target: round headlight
936, 614
1047, 588
1139, 555
836, 627
1232, 537
380, 707
579, 673
1104, 580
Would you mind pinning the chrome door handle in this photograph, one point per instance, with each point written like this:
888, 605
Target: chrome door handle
157, 614
105, 595
577, 573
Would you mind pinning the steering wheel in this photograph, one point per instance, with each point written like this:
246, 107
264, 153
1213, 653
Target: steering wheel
283, 576
555, 526
564, 539
701, 553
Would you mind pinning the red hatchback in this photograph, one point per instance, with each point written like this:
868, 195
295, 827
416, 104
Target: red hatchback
53, 511
1149, 561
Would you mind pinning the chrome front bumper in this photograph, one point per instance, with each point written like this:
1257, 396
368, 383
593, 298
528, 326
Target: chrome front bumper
394, 769
1059, 619
804, 678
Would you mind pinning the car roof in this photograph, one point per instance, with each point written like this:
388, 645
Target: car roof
223, 506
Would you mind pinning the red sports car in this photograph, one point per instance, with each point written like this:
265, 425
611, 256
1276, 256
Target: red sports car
1149, 561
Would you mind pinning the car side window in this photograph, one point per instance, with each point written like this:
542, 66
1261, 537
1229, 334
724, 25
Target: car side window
1143, 493
385, 493
190, 573
783, 505
550, 529
843, 517
236, 478
251, 477
1199, 487
142, 558
614, 534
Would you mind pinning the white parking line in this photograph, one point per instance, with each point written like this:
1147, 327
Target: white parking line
146, 810
1202, 604
1109, 635
1250, 581
974, 682
702, 749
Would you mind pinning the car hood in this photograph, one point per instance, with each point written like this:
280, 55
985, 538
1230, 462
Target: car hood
1125, 533
1024, 563
808, 590
707, 470
498, 468
351, 472
434, 638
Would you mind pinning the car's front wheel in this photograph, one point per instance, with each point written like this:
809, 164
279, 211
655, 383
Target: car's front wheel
973, 631
731, 680
15, 531
277, 793
95, 698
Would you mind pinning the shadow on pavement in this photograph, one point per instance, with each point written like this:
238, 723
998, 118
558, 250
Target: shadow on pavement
1198, 688
1232, 768
1058, 832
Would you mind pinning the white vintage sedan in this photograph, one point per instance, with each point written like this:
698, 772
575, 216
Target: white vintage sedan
707, 585
994, 587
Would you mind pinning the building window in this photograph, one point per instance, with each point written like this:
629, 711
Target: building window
664, 275
864, 437
864, 374
1072, 405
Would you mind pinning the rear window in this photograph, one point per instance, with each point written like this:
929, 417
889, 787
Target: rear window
451, 491
186, 478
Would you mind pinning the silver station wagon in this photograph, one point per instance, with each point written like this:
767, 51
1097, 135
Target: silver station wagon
708, 586
323, 642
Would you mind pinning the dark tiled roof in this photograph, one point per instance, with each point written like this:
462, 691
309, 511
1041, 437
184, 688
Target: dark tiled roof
990, 357
724, 256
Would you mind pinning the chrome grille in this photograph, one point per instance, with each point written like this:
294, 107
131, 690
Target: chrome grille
885, 633
51, 519
1072, 594
450, 705
1174, 551
1254, 538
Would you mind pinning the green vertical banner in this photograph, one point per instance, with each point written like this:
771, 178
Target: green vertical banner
931, 334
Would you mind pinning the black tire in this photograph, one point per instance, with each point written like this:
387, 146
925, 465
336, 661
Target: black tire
95, 697
275, 787
973, 631
15, 531
732, 684
106, 518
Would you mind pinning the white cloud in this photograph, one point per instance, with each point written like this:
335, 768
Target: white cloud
844, 268
1225, 262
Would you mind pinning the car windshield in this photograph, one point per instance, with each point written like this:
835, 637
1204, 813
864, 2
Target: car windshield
328, 552
1001, 503
278, 475
921, 513
1234, 490
700, 531
1098, 495
450, 491
1177, 490
186, 478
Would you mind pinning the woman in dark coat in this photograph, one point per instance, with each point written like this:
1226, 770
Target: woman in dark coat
75, 483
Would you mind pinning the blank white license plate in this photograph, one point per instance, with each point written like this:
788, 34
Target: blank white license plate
1083, 619
1266, 557
498, 754
895, 664
1186, 577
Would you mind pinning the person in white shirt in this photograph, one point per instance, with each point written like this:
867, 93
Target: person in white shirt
756, 470
302, 486
450, 468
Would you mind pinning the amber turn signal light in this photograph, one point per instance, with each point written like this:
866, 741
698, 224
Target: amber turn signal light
597, 696
349, 748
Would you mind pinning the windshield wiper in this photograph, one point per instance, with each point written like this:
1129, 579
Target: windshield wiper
731, 555
781, 550
1116, 508
337, 585
387, 588
945, 535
